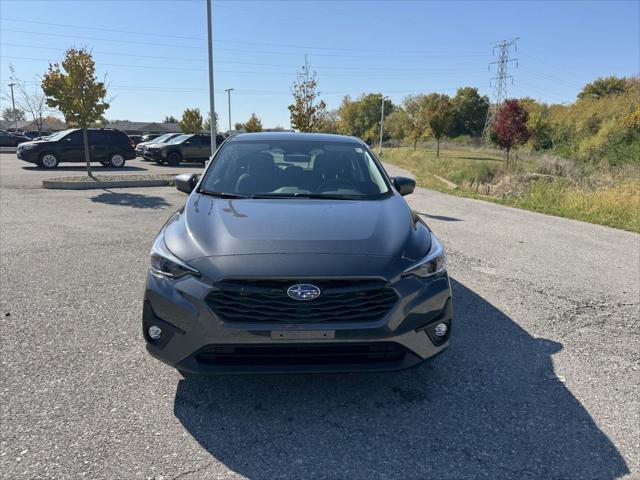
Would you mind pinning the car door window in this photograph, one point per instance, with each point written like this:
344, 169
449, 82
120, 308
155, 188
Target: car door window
74, 138
98, 137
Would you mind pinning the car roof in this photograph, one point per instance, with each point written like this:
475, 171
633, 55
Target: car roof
297, 136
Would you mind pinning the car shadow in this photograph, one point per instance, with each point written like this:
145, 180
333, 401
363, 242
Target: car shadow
94, 168
489, 407
440, 217
134, 200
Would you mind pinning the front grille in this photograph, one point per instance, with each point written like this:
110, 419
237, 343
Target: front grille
267, 301
309, 354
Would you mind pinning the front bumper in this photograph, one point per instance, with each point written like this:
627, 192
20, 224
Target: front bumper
195, 340
153, 155
28, 155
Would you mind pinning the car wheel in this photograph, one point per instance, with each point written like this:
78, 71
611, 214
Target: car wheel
174, 159
116, 160
48, 160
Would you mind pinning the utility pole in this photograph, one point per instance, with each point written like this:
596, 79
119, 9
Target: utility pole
229, 90
212, 117
381, 124
500, 80
13, 102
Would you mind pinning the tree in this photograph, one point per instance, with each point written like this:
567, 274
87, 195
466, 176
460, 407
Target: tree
30, 99
361, 117
72, 87
329, 123
306, 112
470, 112
191, 121
397, 125
170, 119
11, 115
253, 124
603, 87
439, 113
417, 125
510, 127
206, 125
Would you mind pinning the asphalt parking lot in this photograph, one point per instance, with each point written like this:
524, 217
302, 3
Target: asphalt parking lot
541, 379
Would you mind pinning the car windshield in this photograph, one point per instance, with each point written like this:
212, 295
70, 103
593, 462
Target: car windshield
57, 136
163, 138
295, 169
180, 138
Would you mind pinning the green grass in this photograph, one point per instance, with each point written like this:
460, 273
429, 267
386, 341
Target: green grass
614, 202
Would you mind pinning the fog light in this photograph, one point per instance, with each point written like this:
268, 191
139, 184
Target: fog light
440, 330
154, 332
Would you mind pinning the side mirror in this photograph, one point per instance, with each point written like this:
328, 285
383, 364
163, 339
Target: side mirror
404, 185
186, 182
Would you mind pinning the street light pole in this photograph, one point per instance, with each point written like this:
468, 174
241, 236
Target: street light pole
228, 90
381, 124
13, 102
212, 118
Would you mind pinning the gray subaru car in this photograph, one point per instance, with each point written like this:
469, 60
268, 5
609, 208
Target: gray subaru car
295, 252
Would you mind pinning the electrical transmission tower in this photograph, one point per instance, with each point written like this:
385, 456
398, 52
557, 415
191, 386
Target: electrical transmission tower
499, 82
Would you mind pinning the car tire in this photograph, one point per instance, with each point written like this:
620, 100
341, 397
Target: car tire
48, 160
174, 159
116, 160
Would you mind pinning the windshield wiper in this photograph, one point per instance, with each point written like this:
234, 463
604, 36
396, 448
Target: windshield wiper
223, 194
307, 195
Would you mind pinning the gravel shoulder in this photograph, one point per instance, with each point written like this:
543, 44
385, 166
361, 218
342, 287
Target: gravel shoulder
541, 379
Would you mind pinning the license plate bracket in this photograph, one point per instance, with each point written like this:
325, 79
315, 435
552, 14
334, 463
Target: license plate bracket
303, 334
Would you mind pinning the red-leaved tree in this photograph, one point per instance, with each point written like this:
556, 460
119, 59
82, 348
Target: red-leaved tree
510, 127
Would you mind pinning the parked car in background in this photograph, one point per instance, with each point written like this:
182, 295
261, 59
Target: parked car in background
11, 139
140, 147
136, 138
33, 134
150, 136
110, 147
183, 148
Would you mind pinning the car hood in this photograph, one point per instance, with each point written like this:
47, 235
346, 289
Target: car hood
36, 142
210, 226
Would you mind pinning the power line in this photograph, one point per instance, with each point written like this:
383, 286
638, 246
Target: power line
240, 91
242, 72
266, 52
278, 65
242, 42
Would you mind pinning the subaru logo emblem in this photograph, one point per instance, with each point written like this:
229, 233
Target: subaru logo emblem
303, 291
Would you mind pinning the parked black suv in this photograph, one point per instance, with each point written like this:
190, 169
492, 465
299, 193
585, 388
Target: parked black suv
184, 148
108, 146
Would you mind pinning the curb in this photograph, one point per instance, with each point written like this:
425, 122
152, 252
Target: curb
64, 185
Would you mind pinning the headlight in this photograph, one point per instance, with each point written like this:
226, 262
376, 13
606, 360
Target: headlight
163, 152
165, 263
434, 262
28, 146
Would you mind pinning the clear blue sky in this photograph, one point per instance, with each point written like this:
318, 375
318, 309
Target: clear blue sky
154, 52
